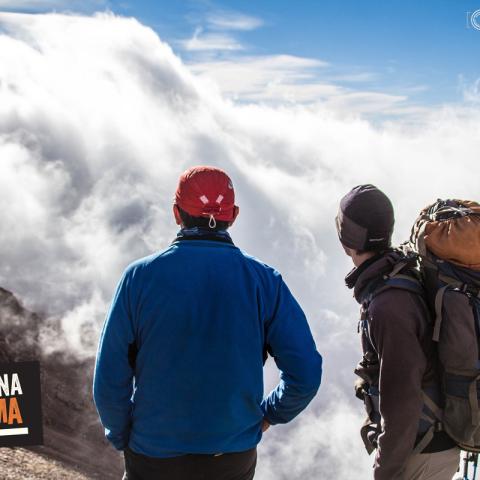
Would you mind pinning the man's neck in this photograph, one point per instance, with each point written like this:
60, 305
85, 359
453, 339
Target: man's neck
359, 259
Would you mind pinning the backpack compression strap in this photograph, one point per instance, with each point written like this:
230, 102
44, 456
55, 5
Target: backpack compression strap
436, 423
451, 284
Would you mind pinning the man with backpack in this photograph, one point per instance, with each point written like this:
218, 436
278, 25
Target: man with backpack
398, 379
179, 374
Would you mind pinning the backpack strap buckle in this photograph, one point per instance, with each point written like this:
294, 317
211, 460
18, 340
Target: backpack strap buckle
439, 426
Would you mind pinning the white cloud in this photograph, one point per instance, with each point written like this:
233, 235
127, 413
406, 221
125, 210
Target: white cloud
30, 3
293, 80
201, 41
365, 102
214, 36
51, 4
98, 119
354, 77
471, 91
233, 21
307, 450
273, 77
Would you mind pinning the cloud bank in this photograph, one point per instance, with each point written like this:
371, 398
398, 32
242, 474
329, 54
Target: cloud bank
98, 118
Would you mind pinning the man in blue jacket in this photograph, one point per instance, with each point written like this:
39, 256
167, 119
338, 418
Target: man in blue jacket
179, 372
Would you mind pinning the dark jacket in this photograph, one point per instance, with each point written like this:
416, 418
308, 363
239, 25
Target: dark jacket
400, 333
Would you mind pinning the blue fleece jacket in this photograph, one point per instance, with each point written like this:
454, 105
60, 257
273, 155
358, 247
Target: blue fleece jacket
179, 367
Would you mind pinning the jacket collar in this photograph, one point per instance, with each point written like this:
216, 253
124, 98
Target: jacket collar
372, 270
198, 233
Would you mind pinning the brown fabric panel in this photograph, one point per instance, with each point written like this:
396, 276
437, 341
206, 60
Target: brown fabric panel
456, 240
458, 348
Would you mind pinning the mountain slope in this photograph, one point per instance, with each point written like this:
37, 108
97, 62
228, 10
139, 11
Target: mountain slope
21, 464
72, 432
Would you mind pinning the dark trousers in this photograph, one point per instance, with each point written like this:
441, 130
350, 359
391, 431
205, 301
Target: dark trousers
229, 466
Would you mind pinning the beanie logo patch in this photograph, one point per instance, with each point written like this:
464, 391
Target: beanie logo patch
219, 199
204, 199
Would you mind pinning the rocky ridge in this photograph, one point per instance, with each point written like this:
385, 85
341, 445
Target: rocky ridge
73, 436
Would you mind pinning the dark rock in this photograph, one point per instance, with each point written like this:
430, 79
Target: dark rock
72, 432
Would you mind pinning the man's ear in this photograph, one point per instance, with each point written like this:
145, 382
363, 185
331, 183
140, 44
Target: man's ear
176, 213
236, 211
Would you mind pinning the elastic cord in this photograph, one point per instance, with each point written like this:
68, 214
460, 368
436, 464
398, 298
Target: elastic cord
212, 222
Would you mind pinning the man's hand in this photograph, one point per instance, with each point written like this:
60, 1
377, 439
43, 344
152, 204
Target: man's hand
361, 387
265, 426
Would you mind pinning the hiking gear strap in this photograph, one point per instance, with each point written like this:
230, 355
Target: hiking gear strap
438, 312
436, 423
397, 269
425, 441
435, 409
473, 399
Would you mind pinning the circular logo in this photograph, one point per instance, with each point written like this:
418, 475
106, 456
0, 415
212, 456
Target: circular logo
475, 19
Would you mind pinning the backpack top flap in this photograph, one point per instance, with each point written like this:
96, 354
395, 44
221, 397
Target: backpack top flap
450, 229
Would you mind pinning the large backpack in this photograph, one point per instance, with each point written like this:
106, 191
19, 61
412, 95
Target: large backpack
446, 236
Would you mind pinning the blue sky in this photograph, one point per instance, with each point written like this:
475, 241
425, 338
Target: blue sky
411, 53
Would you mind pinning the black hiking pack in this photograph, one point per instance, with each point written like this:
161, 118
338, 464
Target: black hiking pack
446, 236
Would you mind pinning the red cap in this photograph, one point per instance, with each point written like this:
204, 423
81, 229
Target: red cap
206, 191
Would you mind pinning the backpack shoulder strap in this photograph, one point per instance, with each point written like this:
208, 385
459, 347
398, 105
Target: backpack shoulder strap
401, 281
